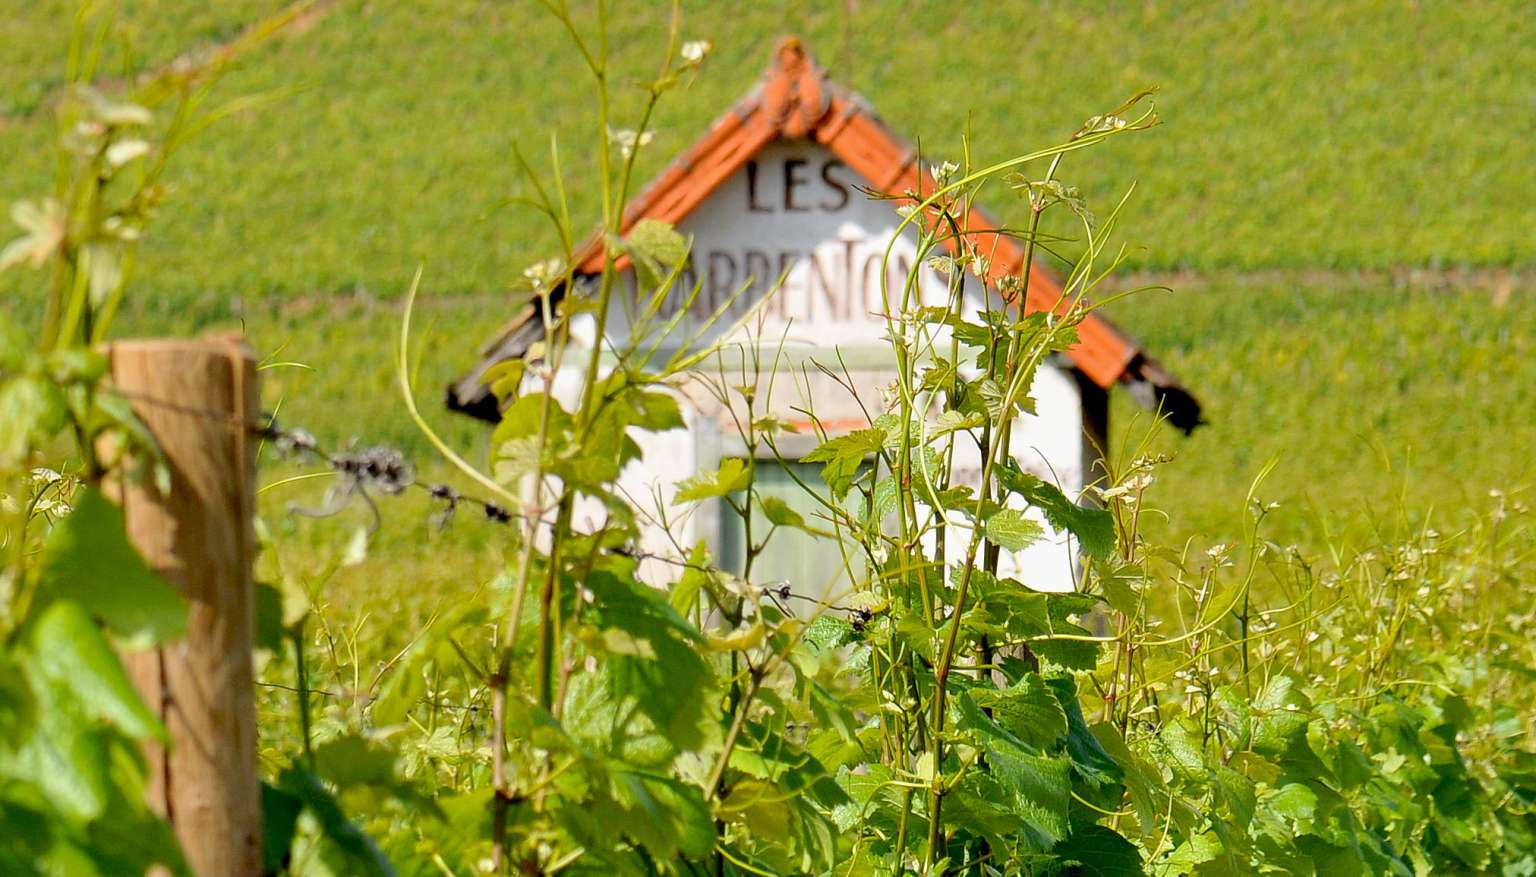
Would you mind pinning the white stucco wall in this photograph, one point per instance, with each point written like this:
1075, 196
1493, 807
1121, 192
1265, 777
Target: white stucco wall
795, 211
1047, 445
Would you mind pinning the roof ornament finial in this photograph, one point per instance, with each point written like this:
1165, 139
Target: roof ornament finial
795, 96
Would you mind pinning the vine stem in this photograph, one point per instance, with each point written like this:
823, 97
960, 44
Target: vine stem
1016, 365
301, 673
499, 774
737, 723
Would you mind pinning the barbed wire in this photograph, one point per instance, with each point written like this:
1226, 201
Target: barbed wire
363, 471
375, 470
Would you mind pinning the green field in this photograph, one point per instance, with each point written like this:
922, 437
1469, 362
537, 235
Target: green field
1336, 215
1377, 399
1369, 134
1311, 154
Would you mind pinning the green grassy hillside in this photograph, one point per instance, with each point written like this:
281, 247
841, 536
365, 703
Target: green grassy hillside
1376, 397
1304, 142
1344, 134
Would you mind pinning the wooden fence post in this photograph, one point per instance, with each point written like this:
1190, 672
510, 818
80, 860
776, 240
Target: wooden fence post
194, 395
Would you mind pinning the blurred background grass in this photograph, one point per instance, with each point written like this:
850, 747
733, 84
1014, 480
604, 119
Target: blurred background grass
1340, 197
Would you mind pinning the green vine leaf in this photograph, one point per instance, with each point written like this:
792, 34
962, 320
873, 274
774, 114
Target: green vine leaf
779, 513
684, 595
72, 654
1094, 528
1026, 710
730, 477
1041, 788
87, 558
279, 817
84, 706
505, 378
1018, 740
1089, 758
666, 679
1099, 851
1121, 586
665, 816
1010, 530
31, 410
268, 624
843, 456
362, 854
657, 249
15, 349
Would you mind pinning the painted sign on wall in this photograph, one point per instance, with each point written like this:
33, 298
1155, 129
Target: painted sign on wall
796, 212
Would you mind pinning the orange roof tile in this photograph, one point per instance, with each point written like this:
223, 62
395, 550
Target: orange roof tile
796, 101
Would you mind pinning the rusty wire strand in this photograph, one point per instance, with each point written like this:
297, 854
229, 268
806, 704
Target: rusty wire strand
377, 470
365, 472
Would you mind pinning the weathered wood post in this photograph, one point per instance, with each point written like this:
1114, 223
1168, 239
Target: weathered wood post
195, 396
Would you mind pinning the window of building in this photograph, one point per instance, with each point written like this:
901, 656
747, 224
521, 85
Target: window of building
812, 566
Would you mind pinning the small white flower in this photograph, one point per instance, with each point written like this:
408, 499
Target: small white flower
542, 273
1098, 124
694, 51
89, 129
943, 264
114, 226
943, 172
124, 151
627, 140
44, 475
1009, 286
1140, 482
906, 211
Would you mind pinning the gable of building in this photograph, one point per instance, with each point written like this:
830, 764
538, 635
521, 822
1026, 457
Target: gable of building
790, 152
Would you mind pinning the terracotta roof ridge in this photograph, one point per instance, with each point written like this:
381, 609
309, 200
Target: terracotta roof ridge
794, 93
794, 99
